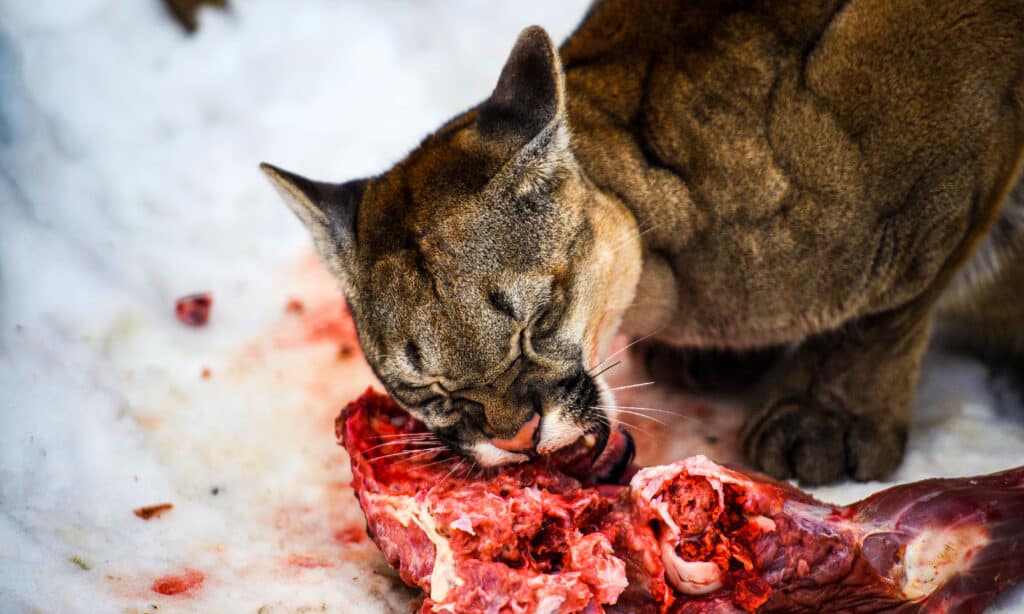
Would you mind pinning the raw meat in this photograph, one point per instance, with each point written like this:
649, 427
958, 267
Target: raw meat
946, 545
525, 539
194, 309
692, 536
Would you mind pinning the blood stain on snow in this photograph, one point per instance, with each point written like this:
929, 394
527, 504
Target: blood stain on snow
306, 561
331, 321
350, 535
185, 583
291, 516
325, 320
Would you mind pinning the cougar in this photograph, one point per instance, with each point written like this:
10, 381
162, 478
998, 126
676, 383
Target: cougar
745, 179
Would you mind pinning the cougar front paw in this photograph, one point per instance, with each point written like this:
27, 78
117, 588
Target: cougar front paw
817, 445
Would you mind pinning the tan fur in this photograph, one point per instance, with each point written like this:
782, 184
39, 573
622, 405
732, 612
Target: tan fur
728, 175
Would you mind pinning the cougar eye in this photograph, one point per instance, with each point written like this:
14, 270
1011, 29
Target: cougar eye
500, 302
412, 354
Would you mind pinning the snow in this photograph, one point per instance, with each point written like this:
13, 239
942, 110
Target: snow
128, 177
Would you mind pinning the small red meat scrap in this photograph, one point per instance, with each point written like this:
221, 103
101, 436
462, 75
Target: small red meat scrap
153, 511
194, 309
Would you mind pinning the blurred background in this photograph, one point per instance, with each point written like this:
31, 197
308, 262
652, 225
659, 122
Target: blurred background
128, 178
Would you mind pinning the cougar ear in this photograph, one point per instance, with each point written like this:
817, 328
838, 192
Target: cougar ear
328, 210
530, 94
526, 115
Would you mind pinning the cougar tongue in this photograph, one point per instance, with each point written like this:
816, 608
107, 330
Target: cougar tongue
614, 465
598, 458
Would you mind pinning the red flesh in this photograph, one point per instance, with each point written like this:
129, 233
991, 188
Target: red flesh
194, 310
533, 538
153, 511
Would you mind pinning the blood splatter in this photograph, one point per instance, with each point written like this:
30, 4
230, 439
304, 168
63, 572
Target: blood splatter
350, 535
308, 562
329, 321
332, 322
186, 582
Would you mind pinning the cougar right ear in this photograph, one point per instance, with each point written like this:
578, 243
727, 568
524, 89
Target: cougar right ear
329, 210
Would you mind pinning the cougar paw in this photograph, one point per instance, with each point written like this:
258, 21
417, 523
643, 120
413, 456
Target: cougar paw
799, 439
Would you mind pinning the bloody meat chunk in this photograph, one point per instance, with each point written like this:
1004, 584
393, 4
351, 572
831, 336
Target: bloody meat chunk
194, 309
945, 545
525, 539
693, 536
150, 512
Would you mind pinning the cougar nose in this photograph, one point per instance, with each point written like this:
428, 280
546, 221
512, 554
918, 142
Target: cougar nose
524, 439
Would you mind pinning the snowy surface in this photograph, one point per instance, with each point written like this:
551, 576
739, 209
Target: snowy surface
128, 156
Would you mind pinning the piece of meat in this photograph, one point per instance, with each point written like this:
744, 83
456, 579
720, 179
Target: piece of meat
194, 309
693, 536
153, 511
523, 539
947, 545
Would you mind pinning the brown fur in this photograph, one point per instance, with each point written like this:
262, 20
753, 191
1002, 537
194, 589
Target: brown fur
986, 301
739, 175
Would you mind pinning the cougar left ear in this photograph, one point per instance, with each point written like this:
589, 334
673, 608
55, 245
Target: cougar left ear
526, 115
328, 210
530, 94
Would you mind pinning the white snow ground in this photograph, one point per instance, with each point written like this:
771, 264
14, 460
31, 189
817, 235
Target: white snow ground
128, 177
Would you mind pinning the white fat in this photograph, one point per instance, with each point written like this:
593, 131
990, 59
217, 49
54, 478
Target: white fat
705, 467
936, 555
648, 481
766, 524
659, 505
464, 524
406, 509
614, 576
556, 433
689, 577
490, 455
550, 604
